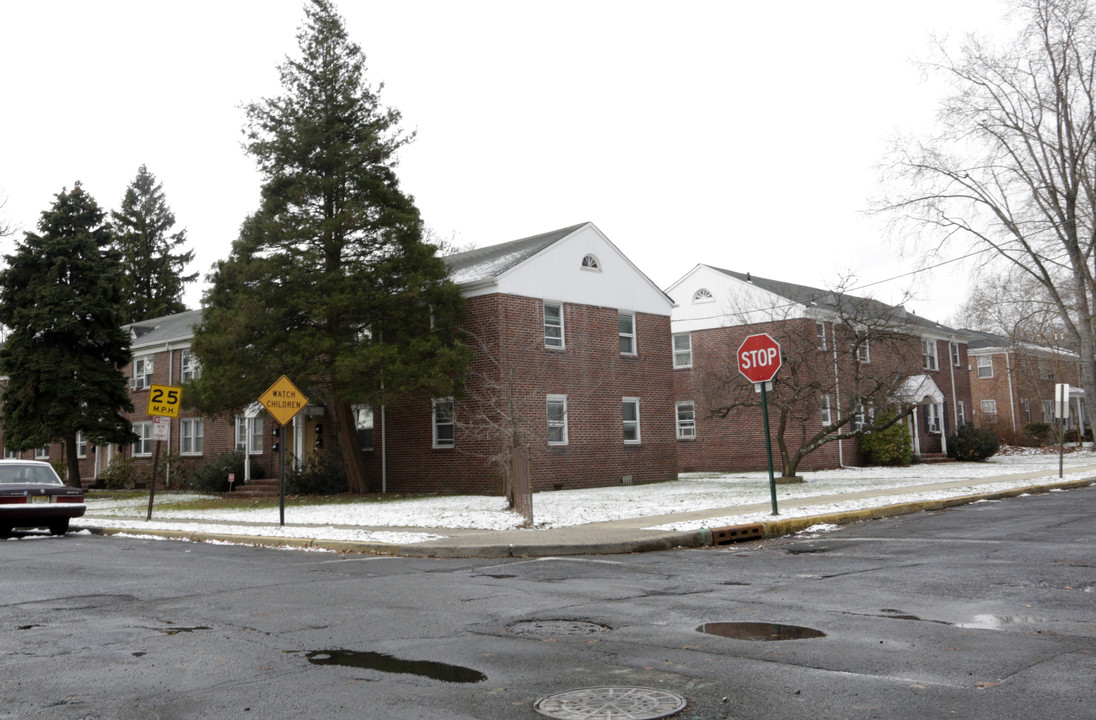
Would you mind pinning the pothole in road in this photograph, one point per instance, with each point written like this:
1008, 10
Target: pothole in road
610, 703
556, 628
767, 632
390, 664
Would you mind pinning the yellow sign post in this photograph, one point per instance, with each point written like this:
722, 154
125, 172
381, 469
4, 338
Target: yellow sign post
283, 401
163, 400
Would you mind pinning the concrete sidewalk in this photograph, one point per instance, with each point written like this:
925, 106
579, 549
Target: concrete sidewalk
619, 536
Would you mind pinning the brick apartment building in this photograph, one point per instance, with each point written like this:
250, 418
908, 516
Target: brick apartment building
1012, 383
716, 309
572, 359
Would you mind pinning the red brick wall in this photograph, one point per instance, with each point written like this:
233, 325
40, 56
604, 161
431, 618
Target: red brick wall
737, 442
512, 364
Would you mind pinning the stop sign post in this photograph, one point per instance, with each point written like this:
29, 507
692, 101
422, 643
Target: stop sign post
758, 360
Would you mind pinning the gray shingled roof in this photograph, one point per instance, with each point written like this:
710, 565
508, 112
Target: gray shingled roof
482, 264
828, 300
170, 328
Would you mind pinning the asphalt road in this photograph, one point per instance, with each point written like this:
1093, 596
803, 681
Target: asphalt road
984, 611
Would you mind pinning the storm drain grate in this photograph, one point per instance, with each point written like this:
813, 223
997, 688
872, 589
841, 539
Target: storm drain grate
610, 703
727, 535
555, 628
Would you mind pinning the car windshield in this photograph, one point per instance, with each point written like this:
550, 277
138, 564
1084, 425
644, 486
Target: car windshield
10, 474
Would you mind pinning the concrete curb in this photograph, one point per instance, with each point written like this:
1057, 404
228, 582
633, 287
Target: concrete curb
662, 541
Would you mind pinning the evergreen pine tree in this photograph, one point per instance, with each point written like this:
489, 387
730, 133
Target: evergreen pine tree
65, 349
152, 257
330, 282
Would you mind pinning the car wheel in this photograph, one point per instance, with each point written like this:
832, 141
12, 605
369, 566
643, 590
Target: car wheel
59, 527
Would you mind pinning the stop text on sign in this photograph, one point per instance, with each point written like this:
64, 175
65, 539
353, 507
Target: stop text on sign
759, 358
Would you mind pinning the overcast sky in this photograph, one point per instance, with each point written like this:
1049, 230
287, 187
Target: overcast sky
744, 135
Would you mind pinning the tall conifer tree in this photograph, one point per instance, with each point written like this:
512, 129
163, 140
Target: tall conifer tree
153, 260
330, 281
65, 350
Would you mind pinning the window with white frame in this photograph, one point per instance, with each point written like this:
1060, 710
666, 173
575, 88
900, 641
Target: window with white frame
189, 368
929, 357
142, 447
556, 408
820, 333
444, 423
860, 419
703, 295
363, 422
961, 412
191, 436
956, 356
827, 411
683, 350
41, 453
10, 454
985, 366
253, 442
553, 325
142, 373
932, 418
590, 262
81, 445
686, 420
1048, 410
629, 410
989, 409
862, 350
1026, 405
627, 324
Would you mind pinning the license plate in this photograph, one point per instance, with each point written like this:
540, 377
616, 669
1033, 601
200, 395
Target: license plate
39, 498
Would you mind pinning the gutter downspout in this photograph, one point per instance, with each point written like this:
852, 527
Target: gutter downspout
836, 392
1011, 399
384, 452
954, 392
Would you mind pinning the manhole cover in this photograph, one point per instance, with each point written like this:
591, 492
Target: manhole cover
555, 628
610, 703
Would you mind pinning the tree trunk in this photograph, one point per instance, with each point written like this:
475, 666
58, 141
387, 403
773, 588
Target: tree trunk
347, 433
72, 461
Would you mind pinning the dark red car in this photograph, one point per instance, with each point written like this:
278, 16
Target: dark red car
33, 496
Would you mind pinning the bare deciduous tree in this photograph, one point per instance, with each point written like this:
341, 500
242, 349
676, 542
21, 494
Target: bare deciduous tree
1013, 168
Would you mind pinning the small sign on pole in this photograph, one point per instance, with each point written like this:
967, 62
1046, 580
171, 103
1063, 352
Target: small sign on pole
758, 360
283, 401
1061, 413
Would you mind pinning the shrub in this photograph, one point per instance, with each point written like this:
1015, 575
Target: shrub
321, 474
1036, 434
120, 474
973, 443
211, 474
889, 446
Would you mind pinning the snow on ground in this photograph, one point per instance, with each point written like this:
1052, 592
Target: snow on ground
424, 519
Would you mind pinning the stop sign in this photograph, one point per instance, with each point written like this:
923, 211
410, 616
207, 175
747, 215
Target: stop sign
759, 358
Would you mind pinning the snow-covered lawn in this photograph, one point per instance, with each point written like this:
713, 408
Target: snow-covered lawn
424, 519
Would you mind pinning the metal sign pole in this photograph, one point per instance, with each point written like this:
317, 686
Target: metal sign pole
152, 483
281, 483
768, 445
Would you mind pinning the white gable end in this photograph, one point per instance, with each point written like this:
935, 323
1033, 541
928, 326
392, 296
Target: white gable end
706, 298
565, 272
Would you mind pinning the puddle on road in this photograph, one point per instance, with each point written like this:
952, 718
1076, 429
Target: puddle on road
766, 632
177, 630
389, 664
